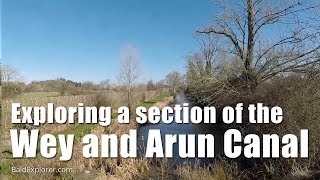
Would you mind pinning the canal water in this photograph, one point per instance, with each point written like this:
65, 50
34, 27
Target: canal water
175, 128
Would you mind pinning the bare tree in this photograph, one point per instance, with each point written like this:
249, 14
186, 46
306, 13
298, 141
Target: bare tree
8, 73
105, 84
174, 80
290, 47
208, 52
201, 64
129, 71
150, 85
62, 86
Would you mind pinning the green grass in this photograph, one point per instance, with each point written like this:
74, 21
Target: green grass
151, 102
6, 165
79, 130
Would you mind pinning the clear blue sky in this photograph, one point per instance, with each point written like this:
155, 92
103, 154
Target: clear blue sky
83, 39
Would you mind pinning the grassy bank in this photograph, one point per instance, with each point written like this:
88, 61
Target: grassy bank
299, 99
164, 97
82, 168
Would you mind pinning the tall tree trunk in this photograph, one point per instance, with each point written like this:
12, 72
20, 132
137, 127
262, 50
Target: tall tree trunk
251, 35
250, 74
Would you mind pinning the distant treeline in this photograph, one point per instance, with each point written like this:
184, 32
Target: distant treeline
69, 87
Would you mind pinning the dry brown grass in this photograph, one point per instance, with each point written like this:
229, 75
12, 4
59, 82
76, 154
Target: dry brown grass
165, 102
300, 101
216, 171
82, 168
299, 98
95, 168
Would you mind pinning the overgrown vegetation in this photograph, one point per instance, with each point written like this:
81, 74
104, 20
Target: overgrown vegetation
11, 90
78, 163
233, 65
237, 61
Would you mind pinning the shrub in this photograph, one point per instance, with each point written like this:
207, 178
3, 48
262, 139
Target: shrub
102, 100
299, 98
10, 90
